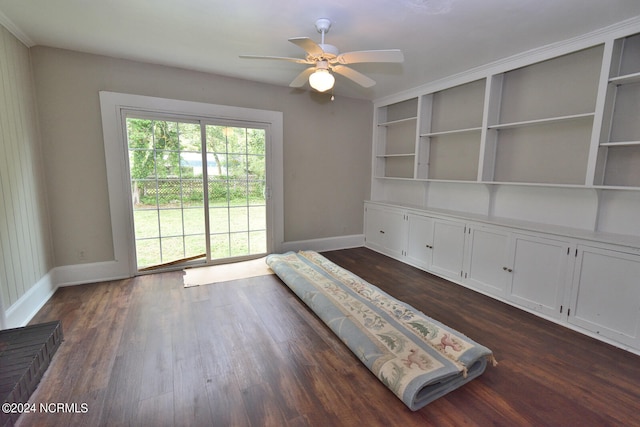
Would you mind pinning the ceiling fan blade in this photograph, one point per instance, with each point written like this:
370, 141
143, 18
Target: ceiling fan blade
354, 75
309, 46
280, 58
302, 78
389, 55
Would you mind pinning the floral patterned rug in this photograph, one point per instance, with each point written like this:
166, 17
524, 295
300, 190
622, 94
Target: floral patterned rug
416, 357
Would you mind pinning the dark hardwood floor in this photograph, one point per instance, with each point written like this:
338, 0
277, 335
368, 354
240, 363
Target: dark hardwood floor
148, 352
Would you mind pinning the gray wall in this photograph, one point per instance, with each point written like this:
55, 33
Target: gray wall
327, 146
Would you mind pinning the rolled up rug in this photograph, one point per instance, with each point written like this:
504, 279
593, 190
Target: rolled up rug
418, 358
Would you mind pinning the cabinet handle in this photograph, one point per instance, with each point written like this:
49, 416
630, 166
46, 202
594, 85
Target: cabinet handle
381, 231
430, 247
507, 269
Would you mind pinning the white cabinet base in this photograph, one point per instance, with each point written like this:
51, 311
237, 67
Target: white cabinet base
606, 294
540, 267
589, 286
487, 261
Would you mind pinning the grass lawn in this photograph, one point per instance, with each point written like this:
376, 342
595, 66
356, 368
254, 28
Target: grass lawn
171, 233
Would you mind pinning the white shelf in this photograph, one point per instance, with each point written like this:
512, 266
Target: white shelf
619, 144
626, 79
384, 156
399, 121
548, 120
452, 132
395, 178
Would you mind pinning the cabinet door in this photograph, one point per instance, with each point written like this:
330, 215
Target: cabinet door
420, 241
606, 294
385, 230
448, 248
486, 266
538, 271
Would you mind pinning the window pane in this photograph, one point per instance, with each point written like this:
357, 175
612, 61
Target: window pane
189, 136
219, 220
172, 248
239, 218
219, 246
255, 141
140, 134
258, 242
257, 218
194, 245
146, 223
239, 244
148, 252
171, 222
193, 221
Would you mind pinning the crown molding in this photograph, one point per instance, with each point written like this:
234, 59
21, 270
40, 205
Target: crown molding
15, 30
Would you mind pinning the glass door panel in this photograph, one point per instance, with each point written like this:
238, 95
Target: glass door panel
177, 218
167, 190
237, 198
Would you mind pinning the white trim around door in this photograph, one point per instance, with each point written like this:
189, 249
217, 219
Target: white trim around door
113, 104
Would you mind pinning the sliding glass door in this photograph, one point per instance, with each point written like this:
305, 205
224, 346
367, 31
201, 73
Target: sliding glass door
236, 191
198, 190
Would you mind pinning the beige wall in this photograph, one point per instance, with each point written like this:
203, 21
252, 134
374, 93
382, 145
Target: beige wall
25, 244
327, 146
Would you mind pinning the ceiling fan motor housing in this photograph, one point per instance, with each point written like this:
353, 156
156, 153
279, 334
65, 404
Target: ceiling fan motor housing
323, 25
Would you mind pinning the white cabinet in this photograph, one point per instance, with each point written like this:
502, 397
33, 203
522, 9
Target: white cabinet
420, 240
590, 286
385, 230
539, 271
606, 294
435, 245
487, 260
448, 248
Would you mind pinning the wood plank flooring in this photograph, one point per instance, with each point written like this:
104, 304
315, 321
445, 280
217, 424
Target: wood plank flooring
148, 352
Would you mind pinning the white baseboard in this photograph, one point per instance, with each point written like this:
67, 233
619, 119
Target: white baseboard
23, 310
325, 244
81, 274
20, 313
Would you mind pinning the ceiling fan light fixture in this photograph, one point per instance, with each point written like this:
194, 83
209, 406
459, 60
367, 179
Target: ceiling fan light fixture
321, 80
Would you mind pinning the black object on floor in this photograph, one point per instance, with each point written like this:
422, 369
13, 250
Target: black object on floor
25, 355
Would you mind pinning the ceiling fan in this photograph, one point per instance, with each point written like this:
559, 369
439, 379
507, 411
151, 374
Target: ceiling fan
325, 59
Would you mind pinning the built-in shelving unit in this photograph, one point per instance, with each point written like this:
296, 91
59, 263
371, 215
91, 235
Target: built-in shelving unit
543, 123
450, 131
396, 136
551, 135
619, 149
549, 150
521, 180
527, 138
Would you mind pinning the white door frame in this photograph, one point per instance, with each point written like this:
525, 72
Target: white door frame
113, 105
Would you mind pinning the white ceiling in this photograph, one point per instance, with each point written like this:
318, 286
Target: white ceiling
438, 37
